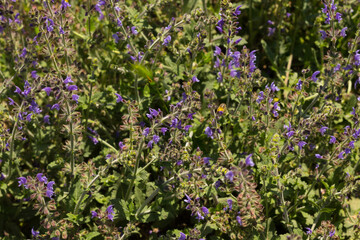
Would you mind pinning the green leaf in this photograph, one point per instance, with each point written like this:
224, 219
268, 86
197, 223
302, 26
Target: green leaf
143, 71
73, 218
327, 210
139, 195
146, 91
91, 235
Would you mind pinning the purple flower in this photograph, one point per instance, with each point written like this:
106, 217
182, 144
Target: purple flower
217, 51
116, 37
55, 106
118, 98
249, 161
199, 216
217, 63
50, 185
299, 85
195, 79
34, 233
341, 155
187, 127
121, 145
275, 109
209, 132
220, 25
273, 87
133, 30
323, 130
357, 58
41, 178
163, 130
94, 140
308, 231
23, 53
23, 181
318, 156
11, 101
343, 32
49, 193
64, 4
301, 144
93, 214
353, 112
331, 233
238, 219
49, 24
47, 90
351, 144
188, 199
146, 132
237, 41
230, 202
153, 113
337, 67
182, 236
75, 97
191, 116
261, 97
67, 80
47, 119
110, 212
34, 75
252, 60
205, 211
119, 22
150, 144
72, 88
206, 160
290, 134
17, 90
237, 11
28, 117
156, 138
323, 34
332, 140
338, 17
230, 176
98, 9
61, 30
271, 31
314, 76
167, 41
347, 150
220, 77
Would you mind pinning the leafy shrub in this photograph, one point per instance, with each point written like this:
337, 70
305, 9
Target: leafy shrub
179, 119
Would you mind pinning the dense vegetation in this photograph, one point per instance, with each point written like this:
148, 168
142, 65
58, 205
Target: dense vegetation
179, 119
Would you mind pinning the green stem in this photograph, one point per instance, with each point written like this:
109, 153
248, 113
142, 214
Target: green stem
103, 142
250, 23
52, 55
72, 154
11, 160
138, 155
76, 210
